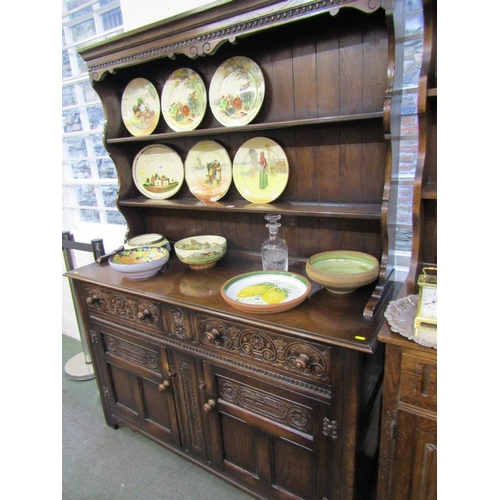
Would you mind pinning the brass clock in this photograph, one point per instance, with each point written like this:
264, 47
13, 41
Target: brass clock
426, 317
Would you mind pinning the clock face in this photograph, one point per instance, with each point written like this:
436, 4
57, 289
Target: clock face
428, 305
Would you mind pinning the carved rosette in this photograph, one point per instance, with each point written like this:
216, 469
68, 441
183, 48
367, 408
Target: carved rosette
131, 352
122, 306
267, 405
178, 322
266, 347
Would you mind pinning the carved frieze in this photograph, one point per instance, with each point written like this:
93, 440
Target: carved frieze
270, 348
123, 307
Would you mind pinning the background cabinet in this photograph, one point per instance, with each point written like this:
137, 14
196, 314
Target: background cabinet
284, 405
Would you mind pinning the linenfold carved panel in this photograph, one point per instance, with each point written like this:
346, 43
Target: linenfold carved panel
124, 307
281, 352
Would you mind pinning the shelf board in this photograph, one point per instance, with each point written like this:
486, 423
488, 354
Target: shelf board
251, 127
370, 211
429, 192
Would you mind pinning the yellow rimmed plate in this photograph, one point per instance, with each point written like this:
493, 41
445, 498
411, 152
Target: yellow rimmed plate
140, 107
208, 171
260, 170
236, 91
184, 100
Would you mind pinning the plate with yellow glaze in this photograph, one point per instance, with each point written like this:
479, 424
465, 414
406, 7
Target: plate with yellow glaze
264, 292
140, 107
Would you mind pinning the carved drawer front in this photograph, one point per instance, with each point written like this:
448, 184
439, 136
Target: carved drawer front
270, 350
418, 381
121, 307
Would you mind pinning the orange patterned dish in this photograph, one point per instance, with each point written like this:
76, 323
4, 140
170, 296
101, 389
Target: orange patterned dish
264, 292
140, 262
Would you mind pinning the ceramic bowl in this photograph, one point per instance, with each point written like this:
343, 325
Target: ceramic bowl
140, 262
201, 252
342, 271
147, 240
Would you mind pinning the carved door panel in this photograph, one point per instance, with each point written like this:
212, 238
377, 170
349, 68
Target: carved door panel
135, 382
189, 402
266, 437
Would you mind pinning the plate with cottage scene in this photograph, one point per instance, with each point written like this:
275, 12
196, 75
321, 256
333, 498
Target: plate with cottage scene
158, 172
184, 100
140, 107
208, 171
264, 292
260, 170
236, 91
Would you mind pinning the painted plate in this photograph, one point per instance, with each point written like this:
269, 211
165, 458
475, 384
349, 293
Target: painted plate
260, 170
140, 107
184, 100
264, 292
208, 171
236, 91
158, 171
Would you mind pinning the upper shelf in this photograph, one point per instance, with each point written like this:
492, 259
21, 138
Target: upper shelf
251, 127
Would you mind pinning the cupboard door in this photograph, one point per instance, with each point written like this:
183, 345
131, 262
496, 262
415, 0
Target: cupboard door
414, 470
265, 437
136, 385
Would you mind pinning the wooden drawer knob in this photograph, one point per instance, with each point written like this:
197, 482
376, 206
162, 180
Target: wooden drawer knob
209, 406
302, 361
212, 336
93, 299
164, 386
142, 315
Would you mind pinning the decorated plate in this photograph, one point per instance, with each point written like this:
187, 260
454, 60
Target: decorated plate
264, 292
140, 107
260, 170
208, 171
158, 171
236, 91
183, 100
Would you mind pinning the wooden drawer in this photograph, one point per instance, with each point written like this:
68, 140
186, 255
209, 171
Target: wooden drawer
118, 307
418, 386
286, 355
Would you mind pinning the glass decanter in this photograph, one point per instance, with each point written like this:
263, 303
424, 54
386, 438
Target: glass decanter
274, 249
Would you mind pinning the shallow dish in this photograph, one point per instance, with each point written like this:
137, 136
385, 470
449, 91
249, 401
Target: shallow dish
201, 252
342, 271
141, 262
265, 292
148, 240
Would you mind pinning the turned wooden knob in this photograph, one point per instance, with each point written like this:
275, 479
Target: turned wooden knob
209, 406
302, 361
143, 314
212, 336
92, 299
164, 385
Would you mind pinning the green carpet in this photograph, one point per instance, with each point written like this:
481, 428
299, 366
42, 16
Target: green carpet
100, 463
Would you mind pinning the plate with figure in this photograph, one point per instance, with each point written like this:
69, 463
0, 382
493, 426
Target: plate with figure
236, 91
140, 107
208, 171
184, 100
260, 170
263, 292
158, 172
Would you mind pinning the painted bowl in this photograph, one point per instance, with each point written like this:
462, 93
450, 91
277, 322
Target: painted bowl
147, 240
140, 262
201, 252
342, 271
